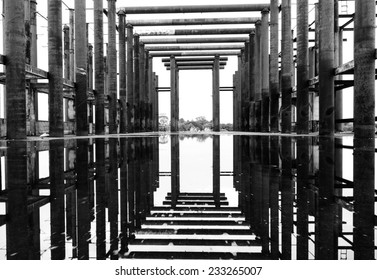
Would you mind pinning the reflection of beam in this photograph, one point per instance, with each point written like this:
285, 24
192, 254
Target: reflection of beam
180, 40
193, 21
195, 47
194, 9
210, 31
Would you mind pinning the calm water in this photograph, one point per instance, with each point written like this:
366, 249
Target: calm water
196, 197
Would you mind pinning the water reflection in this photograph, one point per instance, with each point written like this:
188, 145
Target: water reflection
264, 197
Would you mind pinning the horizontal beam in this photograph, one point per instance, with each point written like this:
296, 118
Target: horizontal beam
194, 9
208, 58
34, 72
193, 21
195, 47
204, 67
2, 59
211, 31
195, 53
192, 63
149, 41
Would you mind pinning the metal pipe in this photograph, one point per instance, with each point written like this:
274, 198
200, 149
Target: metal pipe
55, 66
184, 40
195, 47
192, 59
192, 21
112, 66
122, 72
129, 73
194, 9
265, 72
211, 31
364, 56
286, 68
326, 69
15, 78
274, 66
194, 53
302, 67
216, 94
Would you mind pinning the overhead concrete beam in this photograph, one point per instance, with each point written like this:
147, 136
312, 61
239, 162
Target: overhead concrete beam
194, 53
195, 47
210, 31
193, 21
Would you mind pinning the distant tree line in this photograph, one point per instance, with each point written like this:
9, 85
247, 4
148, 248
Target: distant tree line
201, 124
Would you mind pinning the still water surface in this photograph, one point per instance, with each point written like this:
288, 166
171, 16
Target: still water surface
188, 196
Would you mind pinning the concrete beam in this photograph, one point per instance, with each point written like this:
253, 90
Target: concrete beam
186, 32
195, 63
203, 67
195, 47
191, 59
193, 21
196, 40
195, 53
194, 9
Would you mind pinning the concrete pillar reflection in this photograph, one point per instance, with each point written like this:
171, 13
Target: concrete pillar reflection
123, 197
216, 169
266, 175
175, 169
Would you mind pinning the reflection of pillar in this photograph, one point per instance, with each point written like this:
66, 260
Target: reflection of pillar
216, 169
57, 190
100, 200
265, 72
122, 72
99, 67
216, 94
123, 197
15, 78
326, 240
265, 227
113, 198
173, 95
364, 193
274, 66
286, 198
112, 66
302, 68
17, 215
83, 209
302, 198
130, 77
175, 174
81, 63
131, 186
286, 68
274, 196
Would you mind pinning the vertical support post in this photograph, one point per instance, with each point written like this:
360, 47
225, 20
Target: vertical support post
286, 68
130, 77
142, 82
15, 82
66, 40
216, 94
81, 66
364, 127
338, 60
173, 95
122, 72
258, 77
112, 69
252, 77
33, 33
302, 67
274, 66
265, 72
326, 68
137, 81
72, 59
151, 96
99, 67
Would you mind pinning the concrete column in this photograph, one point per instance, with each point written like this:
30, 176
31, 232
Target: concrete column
216, 95
339, 93
137, 81
130, 77
81, 66
99, 67
265, 72
364, 56
245, 94
286, 68
274, 66
173, 95
72, 59
151, 96
33, 33
142, 87
252, 80
15, 69
326, 69
258, 77
66, 47
122, 72
302, 126
316, 38
57, 191
112, 66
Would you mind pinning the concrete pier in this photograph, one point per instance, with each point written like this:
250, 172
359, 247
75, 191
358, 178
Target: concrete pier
137, 82
174, 105
130, 78
265, 72
216, 94
122, 73
258, 78
112, 66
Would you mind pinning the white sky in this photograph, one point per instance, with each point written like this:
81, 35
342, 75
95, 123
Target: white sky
195, 86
